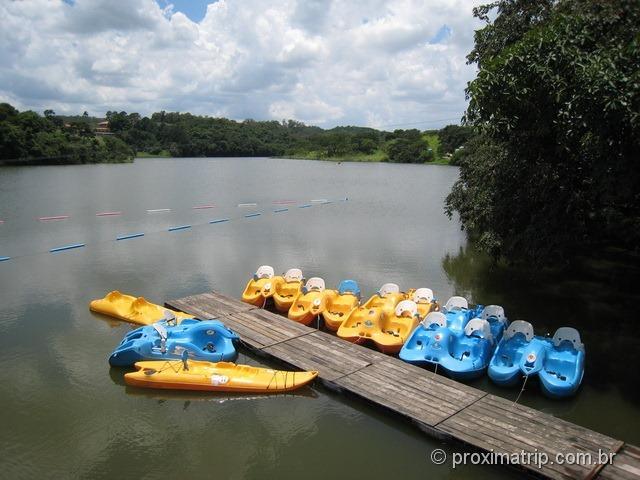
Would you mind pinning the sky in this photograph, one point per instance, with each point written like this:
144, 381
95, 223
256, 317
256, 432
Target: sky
384, 64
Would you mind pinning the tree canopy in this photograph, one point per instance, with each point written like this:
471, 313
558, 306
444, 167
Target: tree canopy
27, 138
556, 102
31, 138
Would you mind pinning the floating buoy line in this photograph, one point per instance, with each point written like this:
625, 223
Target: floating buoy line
108, 214
208, 206
176, 228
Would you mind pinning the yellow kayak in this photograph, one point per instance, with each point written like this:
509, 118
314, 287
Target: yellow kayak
132, 309
221, 377
287, 288
259, 287
310, 302
341, 304
365, 320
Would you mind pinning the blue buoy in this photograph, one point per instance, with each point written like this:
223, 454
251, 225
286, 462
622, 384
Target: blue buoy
220, 220
130, 235
180, 227
67, 247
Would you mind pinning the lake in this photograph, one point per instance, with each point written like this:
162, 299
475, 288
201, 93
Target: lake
65, 413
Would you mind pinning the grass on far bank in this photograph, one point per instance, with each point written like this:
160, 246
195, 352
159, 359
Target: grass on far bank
161, 154
377, 156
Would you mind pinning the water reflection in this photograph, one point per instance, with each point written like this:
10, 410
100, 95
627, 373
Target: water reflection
597, 296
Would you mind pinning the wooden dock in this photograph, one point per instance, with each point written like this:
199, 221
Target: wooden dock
439, 406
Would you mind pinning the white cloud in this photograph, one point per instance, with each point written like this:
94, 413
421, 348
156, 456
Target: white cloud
319, 61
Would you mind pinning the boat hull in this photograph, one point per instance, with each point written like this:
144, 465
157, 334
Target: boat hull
207, 340
218, 377
132, 309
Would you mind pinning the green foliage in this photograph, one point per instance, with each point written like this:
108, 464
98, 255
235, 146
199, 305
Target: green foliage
26, 138
557, 100
408, 146
186, 135
453, 137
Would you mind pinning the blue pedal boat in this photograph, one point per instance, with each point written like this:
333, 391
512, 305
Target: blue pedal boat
505, 365
458, 313
429, 342
563, 366
494, 314
424, 344
462, 354
468, 354
558, 362
208, 340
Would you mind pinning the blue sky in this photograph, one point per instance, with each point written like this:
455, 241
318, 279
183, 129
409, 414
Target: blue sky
194, 9
377, 63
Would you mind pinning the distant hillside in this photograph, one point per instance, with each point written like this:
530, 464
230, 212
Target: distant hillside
33, 139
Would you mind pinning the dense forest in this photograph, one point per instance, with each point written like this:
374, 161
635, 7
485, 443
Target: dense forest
552, 170
28, 138
187, 135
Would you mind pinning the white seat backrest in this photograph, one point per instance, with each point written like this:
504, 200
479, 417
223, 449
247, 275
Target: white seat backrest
493, 311
265, 271
315, 283
437, 318
519, 326
388, 288
478, 325
568, 334
456, 302
293, 275
407, 306
159, 328
424, 295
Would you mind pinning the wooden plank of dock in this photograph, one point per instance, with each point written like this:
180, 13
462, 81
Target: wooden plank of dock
424, 397
507, 428
625, 466
440, 406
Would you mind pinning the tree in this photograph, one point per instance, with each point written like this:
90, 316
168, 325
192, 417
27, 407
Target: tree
408, 146
118, 122
556, 101
453, 137
27, 138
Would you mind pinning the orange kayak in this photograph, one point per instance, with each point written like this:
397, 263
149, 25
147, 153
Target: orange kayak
220, 377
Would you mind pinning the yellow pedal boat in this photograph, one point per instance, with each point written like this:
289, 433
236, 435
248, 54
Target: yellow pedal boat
221, 377
259, 287
287, 288
340, 305
391, 331
365, 320
132, 309
424, 300
310, 302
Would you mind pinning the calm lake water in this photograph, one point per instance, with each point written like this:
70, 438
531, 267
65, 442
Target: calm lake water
65, 413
